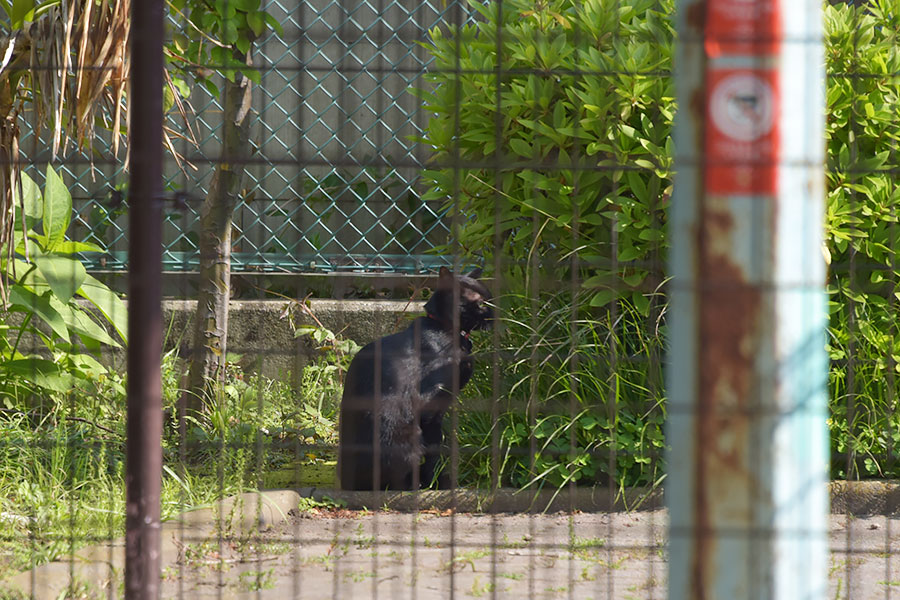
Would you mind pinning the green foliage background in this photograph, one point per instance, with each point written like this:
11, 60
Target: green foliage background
551, 125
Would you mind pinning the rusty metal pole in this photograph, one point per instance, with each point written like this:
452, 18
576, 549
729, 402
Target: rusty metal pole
748, 463
143, 463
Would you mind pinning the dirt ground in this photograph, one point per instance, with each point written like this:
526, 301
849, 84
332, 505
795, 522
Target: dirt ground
358, 554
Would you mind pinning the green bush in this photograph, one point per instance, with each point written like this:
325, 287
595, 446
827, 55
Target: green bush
863, 59
571, 153
551, 128
552, 142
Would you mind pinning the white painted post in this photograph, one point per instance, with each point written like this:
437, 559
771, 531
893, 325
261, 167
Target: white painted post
748, 464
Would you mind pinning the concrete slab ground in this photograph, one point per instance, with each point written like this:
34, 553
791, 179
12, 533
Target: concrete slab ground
263, 547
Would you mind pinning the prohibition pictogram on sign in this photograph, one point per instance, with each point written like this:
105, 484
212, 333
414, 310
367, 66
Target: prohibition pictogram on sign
741, 132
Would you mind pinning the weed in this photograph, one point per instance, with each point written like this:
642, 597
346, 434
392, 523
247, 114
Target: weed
559, 588
363, 541
254, 581
523, 543
478, 590
466, 558
359, 576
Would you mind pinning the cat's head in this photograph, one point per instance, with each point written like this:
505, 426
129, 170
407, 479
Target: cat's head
465, 294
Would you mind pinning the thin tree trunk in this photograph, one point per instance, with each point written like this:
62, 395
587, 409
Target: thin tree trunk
211, 318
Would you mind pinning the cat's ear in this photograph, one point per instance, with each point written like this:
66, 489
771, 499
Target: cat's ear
475, 273
445, 277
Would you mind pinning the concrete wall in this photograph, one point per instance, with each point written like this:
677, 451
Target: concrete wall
262, 333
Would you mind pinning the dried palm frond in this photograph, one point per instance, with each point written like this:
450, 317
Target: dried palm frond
70, 66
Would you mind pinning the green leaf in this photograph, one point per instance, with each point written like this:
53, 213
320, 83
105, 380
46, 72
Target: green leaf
86, 365
246, 5
211, 87
225, 8
521, 147
20, 12
274, 24
43, 373
108, 303
257, 22
168, 98
64, 275
80, 322
30, 198
230, 30
253, 75
603, 297
641, 303
57, 209
242, 44
39, 305
70, 247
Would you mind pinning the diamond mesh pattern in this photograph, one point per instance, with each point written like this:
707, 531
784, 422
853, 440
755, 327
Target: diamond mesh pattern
333, 183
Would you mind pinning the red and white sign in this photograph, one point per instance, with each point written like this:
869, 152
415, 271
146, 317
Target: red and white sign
741, 131
742, 138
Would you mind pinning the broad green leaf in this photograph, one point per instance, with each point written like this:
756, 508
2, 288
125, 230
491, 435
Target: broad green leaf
30, 198
41, 306
246, 5
70, 247
602, 298
87, 365
253, 75
20, 12
57, 209
641, 303
168, 98
521, 147
80, 322
211, 87
64, 275
41, 372
108, 303
257, 22
242, 44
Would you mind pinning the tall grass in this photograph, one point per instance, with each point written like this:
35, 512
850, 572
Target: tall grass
580, 398
62, 463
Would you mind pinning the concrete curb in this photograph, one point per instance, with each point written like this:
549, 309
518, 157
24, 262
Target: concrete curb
510, 500
859, 498
863, 498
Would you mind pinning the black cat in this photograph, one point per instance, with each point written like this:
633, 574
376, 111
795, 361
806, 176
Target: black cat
408, 379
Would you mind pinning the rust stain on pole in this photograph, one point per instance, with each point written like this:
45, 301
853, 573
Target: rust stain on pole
729, 307
747, 369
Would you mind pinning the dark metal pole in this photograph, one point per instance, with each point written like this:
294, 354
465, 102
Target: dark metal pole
143, 464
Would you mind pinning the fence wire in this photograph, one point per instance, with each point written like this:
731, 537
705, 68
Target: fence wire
388, 140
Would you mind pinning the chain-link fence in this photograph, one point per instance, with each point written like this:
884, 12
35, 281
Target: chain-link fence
334, 179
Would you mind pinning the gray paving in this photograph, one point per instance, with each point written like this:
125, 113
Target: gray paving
342, 553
